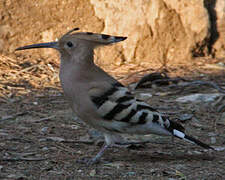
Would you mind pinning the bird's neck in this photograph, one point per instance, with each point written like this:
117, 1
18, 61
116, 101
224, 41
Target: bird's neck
77, 68
85, 60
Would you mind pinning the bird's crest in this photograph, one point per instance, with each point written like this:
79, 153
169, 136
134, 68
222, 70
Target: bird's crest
94, 37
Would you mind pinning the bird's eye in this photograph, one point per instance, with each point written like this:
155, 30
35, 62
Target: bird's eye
69, 44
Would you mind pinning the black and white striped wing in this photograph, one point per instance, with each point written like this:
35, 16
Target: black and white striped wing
119, 104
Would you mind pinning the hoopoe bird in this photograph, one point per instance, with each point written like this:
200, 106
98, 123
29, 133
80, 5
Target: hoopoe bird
100, 100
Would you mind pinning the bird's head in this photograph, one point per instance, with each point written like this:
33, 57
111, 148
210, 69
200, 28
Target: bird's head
77, 44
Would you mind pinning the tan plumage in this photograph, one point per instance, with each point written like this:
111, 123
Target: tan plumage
99, 99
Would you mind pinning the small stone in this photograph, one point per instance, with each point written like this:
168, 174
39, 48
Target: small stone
3, 134
213, 140
185, 117
35, 103
75, 127
198, 98
42, 139
56, 172
222, 148
57, 139
26, 147
44, 130
50, 67
16, 176
161, 93
131, 173
114, 164
221, 64
45, 149
212, 134
93, 172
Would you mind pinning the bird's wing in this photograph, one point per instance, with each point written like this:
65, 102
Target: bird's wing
118, 104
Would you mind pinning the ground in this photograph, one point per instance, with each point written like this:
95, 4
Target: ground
41, 139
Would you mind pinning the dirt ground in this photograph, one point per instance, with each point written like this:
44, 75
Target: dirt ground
41, 139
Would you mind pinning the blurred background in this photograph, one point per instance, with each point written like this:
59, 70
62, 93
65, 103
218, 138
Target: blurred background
173, 31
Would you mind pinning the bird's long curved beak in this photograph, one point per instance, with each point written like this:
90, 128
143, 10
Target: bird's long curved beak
53, 45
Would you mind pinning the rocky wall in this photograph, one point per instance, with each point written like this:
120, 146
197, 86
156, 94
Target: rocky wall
159, 31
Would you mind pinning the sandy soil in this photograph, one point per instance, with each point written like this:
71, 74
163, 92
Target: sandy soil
40, 139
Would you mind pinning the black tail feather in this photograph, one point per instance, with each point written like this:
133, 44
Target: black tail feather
178, 131
196, 141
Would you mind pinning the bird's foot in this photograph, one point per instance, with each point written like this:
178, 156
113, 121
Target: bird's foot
96, 159
88, 161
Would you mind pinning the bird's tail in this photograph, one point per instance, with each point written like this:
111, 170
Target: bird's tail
178, 131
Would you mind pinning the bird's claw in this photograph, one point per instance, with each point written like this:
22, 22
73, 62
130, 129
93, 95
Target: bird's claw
88, 161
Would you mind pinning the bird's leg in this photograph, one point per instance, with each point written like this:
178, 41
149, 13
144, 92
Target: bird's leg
99, 155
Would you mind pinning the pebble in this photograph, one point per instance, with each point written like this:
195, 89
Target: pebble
44, 130
57, 139
131, 173
45, 148
213, 140
198, 98
221, 64
92, 172
3, 134
185, 117
75, 127
35, 103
